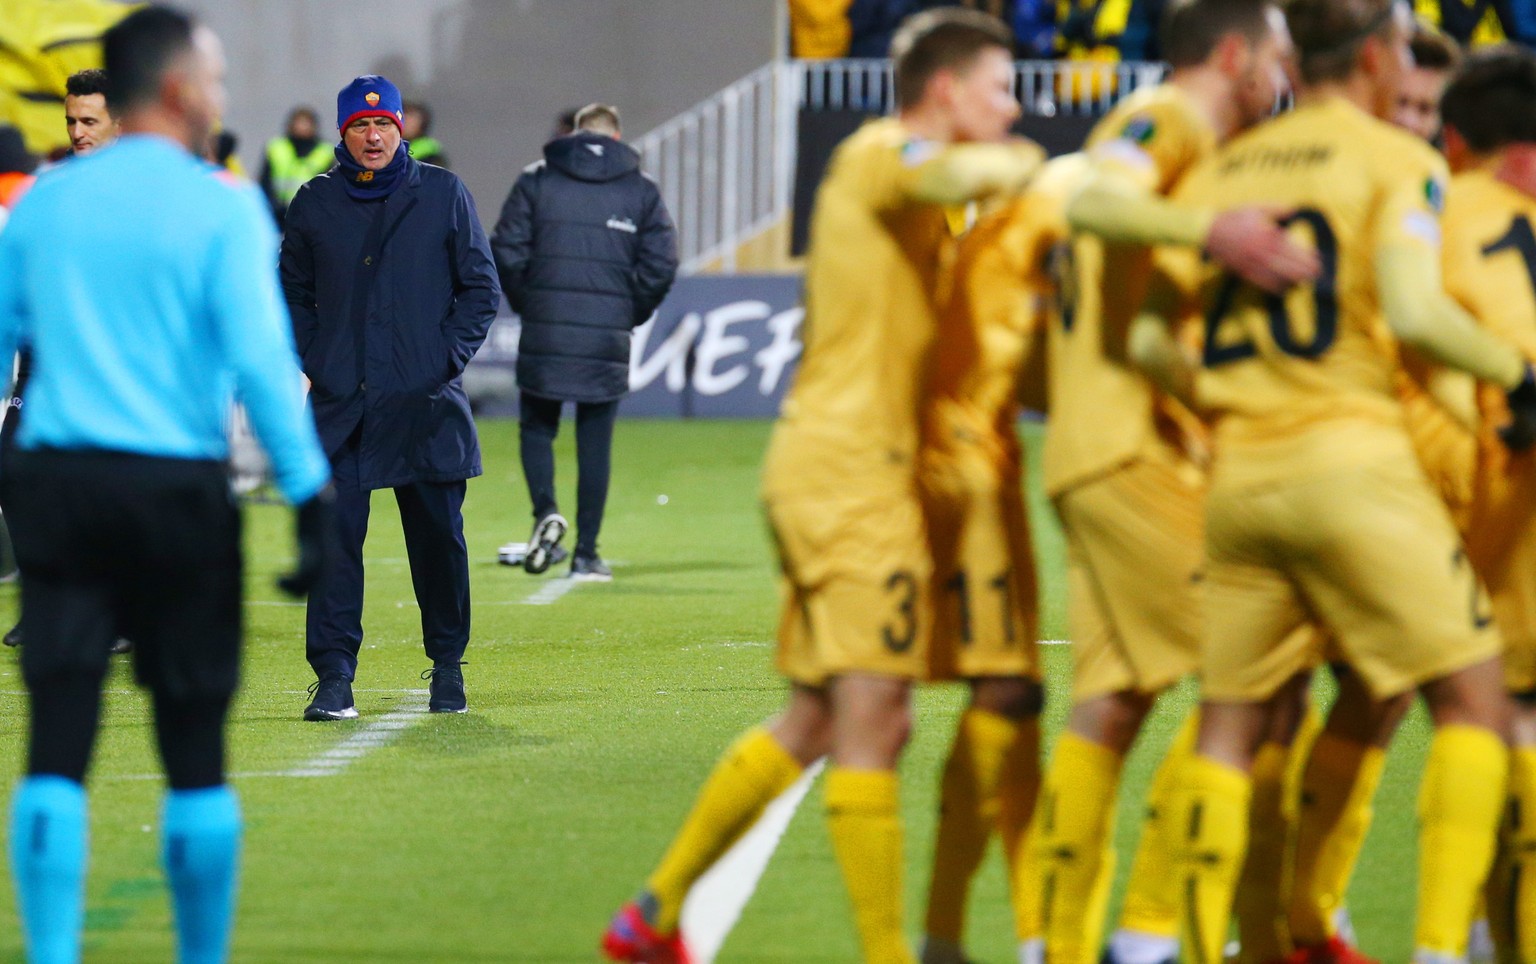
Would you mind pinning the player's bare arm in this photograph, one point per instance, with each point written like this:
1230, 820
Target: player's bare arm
1247, 240
968, 172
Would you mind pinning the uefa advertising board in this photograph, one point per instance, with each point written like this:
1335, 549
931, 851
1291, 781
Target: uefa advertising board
721, 346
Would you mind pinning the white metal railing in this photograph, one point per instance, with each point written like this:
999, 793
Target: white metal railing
726, 165
1044, 87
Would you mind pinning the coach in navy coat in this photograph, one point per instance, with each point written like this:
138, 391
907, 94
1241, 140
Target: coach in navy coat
390, 281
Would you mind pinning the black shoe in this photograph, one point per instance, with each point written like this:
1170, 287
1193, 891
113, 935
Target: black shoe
447, 688
590, 569
333, 700
13, 636
547, 533
121, 645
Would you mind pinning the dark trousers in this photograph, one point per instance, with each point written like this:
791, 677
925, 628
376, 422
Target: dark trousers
151, 546
539, 420
431, 513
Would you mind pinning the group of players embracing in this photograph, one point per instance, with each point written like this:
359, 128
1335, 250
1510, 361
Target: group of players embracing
1286, 361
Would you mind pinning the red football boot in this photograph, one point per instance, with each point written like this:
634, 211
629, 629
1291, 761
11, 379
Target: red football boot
631, 938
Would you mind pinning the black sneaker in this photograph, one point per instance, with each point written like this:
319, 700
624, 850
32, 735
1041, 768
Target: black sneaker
590, 569
447, 688
121, 645
13, 636
547, 533
333, 700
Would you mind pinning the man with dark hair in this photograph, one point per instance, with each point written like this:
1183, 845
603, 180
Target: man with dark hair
87, 113
1435, 57
586, 251
291, 160
1319, 509
1489, 105
145, 326
392, 289
92, 125
839, 482
1122, 463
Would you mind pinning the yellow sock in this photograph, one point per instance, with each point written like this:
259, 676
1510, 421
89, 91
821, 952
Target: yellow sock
1259, 903
1461, 797
754, 771
1018, 789
1150, 906
866, 836
1210, 819
1337, 791
1511, 889
968, 811
1073, 845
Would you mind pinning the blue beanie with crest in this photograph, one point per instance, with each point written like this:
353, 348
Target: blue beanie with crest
369, 96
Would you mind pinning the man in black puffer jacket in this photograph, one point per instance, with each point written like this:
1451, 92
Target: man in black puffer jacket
586, 251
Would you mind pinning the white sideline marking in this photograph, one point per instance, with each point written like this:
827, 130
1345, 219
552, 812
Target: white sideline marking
551, 591
370, 736
715, 903
1055, 642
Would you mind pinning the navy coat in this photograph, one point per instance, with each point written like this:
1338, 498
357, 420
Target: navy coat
390, 299
586, 251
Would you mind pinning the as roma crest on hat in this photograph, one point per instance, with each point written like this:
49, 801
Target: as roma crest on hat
372, 97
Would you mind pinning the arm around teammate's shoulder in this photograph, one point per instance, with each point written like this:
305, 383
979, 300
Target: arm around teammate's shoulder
960, 173
1423, 316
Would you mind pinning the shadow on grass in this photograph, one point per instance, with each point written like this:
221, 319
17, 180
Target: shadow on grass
466, 734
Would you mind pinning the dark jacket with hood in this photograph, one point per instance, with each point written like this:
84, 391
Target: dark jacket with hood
586, 251
390, 299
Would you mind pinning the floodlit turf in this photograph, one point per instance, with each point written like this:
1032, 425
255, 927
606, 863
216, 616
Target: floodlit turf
511, 833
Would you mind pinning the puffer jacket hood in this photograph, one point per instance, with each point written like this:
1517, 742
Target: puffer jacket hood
591, 157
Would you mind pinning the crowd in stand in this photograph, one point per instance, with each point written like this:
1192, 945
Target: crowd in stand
1104, 30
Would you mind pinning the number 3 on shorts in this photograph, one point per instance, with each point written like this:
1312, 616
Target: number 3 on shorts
899, 634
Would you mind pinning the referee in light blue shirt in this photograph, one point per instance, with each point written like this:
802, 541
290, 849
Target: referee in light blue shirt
144, 328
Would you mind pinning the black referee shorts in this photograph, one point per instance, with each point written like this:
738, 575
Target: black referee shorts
115, 544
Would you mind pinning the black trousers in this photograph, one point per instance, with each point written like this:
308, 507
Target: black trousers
151, 546
539, 423
431, 513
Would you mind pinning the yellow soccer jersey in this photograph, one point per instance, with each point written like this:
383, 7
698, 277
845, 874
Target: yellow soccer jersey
1001, 284
1490, 267
1306, 383
1104, 413
873, 276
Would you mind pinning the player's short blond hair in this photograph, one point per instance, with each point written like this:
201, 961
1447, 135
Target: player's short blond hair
1328, 34
602, 118
947, 38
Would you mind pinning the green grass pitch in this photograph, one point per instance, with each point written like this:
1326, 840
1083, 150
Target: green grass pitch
511, 833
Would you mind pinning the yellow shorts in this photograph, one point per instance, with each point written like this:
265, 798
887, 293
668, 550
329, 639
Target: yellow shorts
983, 586
1135, 553
855, 582
1502, 544
1368, 551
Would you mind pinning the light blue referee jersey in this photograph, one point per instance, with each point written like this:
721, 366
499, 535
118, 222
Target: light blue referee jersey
145, 283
